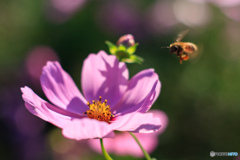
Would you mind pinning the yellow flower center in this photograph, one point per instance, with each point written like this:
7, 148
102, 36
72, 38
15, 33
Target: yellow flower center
99, 110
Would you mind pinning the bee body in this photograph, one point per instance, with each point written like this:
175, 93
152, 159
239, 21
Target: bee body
189, 47
184, 50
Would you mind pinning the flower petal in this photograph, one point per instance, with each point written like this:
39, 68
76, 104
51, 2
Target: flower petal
148, 141
87, 128
45, 110
103, 75
115, 145
143, 89
163, 118
136, 122
61, 90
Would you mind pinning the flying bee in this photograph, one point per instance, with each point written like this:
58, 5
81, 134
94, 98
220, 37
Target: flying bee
184, 50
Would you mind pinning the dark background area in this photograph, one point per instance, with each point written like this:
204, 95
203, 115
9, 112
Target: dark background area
201, 96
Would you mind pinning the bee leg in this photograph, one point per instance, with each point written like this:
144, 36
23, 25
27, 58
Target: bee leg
181, 60
185, 57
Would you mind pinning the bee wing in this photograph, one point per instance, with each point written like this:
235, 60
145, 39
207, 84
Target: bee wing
197, 54
181, 35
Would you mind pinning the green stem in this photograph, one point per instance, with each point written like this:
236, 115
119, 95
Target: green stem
106, 155
143, 150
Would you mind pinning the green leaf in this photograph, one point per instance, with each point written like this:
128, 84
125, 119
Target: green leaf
112, 47
137, 59
133, 59
121, 47
122, 54
132, 49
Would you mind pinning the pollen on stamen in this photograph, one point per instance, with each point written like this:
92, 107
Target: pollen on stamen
99, 110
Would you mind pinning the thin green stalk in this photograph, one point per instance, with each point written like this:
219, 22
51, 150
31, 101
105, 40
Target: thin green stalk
106, 155
143, 150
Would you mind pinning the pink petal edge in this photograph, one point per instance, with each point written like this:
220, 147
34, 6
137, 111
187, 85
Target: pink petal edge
45, 110
163, 118
136, 122
86, 128
143, 90
61, 90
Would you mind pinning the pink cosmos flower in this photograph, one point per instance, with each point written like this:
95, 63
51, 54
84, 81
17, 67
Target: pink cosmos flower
148, 141
83, 117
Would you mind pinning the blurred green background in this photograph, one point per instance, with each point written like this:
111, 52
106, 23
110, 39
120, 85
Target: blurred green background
201, 96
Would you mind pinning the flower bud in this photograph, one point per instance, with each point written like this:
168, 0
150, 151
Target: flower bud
126, 40
124, 49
